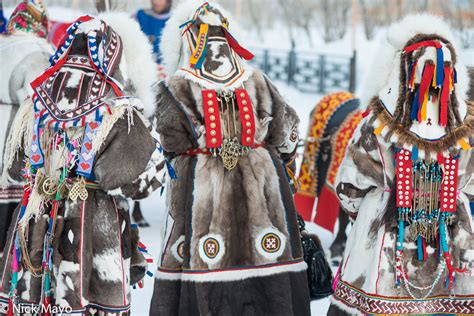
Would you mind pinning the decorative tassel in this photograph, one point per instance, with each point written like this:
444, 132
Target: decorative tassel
444, 99
241, 51
423, 90
419, 242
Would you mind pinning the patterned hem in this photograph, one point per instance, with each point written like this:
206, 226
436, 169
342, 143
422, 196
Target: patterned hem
11, 194
357, 299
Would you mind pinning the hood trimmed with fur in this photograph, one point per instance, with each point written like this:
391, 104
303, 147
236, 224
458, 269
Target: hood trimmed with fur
138, 53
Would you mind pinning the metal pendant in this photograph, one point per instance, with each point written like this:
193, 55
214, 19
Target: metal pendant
78, 190
49, 186
230, 153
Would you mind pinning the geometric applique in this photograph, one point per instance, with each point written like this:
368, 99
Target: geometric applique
211, 248
270, 243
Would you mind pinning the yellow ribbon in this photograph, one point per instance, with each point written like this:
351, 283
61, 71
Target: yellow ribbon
464, 144
200, 44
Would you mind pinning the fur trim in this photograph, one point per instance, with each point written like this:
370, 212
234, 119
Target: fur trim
141, 67
171, 39
405, 137
231, 275
402, 31
389, 53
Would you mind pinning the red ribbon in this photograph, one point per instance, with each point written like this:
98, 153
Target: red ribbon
422, 44
242, 52
424, 85
445, 92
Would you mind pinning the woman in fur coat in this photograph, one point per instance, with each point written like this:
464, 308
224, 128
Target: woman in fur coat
407, 176
25, 54
231, 244
83, 147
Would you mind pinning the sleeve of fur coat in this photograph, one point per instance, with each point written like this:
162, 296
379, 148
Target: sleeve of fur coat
283, 128
130, 162
361, 170
174, 126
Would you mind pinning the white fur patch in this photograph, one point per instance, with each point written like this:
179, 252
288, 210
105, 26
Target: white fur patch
211, 248
270, 243
108, 266
232, 274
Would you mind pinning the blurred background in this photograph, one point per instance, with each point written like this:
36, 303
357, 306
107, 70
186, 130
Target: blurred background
308, 47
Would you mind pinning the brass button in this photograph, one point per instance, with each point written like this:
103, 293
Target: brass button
244, 102
248, 139
212, 125
209, 95
246, 109
248, 124
213, 141
210, 103
242, 95
247, 117
212, 117
213, 133
211, 110
249, 131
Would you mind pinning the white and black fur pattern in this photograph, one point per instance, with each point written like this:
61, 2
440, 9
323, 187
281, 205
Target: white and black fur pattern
366, 188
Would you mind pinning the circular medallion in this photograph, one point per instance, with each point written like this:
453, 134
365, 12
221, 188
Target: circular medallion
271, 242
211, 247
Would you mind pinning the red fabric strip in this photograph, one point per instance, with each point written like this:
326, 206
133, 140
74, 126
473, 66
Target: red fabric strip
426, 80
422, 44
242, 52
327, 210
304, 205
247, 118
212, 119
445, 92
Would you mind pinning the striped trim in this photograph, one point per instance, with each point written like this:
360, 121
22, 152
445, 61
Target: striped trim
231, 274
354, 298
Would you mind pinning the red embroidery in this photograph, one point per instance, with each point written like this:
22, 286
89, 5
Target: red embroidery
247, 118
449, 186
212, 119
404, 179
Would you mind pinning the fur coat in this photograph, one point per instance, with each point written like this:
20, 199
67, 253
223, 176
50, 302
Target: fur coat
407, 178
78, 249
239, 212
